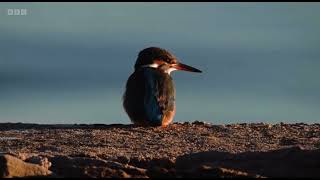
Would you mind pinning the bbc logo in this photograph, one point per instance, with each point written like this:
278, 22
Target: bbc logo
17, 12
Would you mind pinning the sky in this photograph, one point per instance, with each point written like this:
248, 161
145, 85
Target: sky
68, 62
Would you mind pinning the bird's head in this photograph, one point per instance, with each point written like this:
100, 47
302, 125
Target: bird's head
155, 57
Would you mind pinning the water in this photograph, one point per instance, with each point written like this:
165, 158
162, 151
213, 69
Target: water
68, 62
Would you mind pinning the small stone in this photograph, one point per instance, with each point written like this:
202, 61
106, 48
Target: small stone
198, 123
206, 167
24, 156
42, 161
11, 166
288, 141
124, 159
123, 174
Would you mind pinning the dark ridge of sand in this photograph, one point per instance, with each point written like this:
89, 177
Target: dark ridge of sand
8, 126
195, 149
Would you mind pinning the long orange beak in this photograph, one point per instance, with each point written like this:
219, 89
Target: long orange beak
184, 67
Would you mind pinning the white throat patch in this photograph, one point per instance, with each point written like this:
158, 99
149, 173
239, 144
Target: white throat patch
170, 70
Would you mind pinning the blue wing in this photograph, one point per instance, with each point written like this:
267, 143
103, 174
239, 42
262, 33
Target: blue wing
149, 97
152, 108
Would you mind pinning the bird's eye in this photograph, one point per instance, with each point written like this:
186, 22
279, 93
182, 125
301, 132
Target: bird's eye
165, 59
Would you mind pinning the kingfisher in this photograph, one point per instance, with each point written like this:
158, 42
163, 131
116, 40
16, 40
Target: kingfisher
149, 98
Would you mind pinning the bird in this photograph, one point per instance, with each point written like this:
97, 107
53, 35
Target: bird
149, 97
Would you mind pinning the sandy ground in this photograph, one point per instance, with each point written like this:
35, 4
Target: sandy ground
180, 150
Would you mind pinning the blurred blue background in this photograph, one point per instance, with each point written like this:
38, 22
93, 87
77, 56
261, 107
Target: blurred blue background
68, 62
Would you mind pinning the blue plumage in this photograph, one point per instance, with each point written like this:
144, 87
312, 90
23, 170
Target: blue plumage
151, 105
149, 98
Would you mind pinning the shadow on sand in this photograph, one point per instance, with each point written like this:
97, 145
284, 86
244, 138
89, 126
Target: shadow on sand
289, 162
